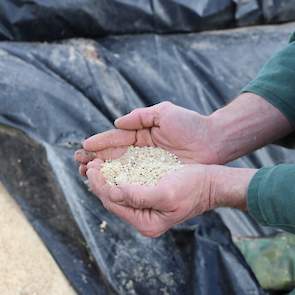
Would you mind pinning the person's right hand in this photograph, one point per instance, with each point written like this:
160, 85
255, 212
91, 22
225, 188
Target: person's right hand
183, 132
154, 209
179, 195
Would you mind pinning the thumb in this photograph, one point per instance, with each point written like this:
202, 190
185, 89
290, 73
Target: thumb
137, 196
139, 119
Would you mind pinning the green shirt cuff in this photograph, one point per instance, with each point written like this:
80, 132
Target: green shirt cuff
285, 107
271, 196
275, 82
253, 196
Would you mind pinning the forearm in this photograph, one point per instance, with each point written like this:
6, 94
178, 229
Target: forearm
244, 125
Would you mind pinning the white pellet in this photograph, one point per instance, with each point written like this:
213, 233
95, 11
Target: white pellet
140, 165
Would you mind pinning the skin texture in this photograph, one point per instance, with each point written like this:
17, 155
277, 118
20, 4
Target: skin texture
152, 210
178, 130
246, 124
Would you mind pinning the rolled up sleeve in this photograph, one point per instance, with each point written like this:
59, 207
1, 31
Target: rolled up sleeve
275, 82
271, 196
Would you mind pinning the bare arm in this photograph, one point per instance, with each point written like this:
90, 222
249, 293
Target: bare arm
246, 124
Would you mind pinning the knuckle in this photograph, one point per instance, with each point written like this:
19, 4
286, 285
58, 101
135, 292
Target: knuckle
95, 164
166, 103
89, 165
136, 111
151, 233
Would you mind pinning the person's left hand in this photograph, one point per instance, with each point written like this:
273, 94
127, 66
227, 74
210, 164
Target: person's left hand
152, 210
185, 133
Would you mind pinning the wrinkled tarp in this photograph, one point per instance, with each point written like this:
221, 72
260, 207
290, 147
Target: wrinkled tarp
43, 20
54, 95
278, 10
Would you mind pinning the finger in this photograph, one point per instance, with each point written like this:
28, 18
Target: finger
98, 184
125, 213
111, 153
108, 139
96, 164
144, 138
131, 216
136, 196
82, 169
83, 156
99, 187
139, 119
145, 221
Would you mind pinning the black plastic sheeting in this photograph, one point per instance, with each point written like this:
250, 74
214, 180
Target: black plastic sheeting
54, 95
278, 10
43, 20
49, 20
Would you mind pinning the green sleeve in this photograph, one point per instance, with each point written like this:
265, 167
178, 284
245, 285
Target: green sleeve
276, 81
271, 196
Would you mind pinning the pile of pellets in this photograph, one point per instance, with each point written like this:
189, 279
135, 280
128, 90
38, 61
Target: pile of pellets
140, 165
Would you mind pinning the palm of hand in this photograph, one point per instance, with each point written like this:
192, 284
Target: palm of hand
179, 195
178, 130
152, 210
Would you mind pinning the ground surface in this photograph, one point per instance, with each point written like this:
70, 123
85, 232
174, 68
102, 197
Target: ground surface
26, 267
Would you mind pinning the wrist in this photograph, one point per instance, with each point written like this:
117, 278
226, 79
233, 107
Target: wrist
229, 186
225, 133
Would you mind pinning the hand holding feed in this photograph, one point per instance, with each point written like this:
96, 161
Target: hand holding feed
154, 209
223, 136
216, 139
180, 131
178, 196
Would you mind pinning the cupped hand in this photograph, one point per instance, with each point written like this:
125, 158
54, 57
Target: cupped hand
153, 210
182, 132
